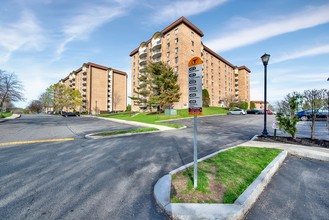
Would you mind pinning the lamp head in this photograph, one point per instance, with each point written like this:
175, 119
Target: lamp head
265, 58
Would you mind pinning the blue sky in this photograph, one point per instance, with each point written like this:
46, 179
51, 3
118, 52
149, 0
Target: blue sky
43, 40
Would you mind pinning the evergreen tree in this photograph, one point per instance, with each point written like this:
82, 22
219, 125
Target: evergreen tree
205, 98
252, 105
141, 92
164, 88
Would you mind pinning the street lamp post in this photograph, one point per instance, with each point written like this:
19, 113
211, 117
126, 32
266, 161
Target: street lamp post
265, 58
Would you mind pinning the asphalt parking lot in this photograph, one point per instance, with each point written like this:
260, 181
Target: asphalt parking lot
299, 190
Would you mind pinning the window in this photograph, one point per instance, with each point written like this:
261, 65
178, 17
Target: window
192, 42
176, 59
176, 68
168, 36
168, 54
168, 45
168, 62
176, 40
192, 34
176, 31
192, 52
176, 49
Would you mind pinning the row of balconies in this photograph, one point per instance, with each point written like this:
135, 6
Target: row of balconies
156, 44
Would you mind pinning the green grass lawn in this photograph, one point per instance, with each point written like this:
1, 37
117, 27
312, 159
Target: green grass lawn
231, 171
139, 130
4, 115
153, 118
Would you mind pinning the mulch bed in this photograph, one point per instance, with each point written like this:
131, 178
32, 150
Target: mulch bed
298, 141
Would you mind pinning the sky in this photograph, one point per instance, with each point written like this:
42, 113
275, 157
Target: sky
42, 41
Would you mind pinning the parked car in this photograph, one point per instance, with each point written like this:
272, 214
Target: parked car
237, 112
322, 112
269, 112
304, 115
254, 111
66, 114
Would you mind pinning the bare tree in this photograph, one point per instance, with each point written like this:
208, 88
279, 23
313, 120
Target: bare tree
314, 99
35, 106
10, 88
230, 101
116, 98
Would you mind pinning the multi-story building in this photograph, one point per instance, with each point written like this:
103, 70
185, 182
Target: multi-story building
176, 45
103, 89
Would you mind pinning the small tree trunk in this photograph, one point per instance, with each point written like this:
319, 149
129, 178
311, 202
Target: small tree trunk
312, 127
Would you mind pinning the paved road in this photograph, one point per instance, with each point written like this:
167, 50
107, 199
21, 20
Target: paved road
100, 179
104, 178
36, 127
298, 191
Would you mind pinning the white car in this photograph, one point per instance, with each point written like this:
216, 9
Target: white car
237, 112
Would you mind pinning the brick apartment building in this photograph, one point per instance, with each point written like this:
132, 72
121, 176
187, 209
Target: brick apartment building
176, 45
103, 89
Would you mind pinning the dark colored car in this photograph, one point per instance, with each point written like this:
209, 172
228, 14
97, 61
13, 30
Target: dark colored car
67, 114
254, 111
304, 115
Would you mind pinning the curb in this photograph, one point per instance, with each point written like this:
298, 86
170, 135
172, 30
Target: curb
91, 136
218, 210
160, 127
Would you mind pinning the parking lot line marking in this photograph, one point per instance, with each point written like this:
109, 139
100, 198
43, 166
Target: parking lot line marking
36, 141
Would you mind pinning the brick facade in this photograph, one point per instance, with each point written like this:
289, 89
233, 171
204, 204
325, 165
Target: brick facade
176, 45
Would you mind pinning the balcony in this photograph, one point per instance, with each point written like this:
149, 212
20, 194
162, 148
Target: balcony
84, 94
156, 53
142, 61
156, 44
142, 53
236, 88
156, 60
142, 68
84, 77
84, 88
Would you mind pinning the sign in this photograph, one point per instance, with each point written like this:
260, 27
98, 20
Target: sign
195, 86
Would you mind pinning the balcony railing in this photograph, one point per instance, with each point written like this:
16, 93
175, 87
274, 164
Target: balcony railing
142, 60
156, 60
156, 52
156, 43
142, 53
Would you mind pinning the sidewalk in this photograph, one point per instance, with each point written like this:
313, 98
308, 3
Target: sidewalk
160, 127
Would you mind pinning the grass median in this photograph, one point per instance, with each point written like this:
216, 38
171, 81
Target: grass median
222, 178
5, 115
154, 118
139, 130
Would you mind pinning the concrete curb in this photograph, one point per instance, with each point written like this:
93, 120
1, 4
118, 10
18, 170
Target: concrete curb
90, 136
215, 211
160, 127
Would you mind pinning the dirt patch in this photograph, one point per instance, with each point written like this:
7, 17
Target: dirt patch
181, 193
298, 141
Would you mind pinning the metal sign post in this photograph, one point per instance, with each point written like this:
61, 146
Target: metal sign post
195, 104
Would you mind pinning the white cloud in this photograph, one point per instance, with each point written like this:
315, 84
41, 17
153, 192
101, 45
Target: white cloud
22, 35
324, 49
247, 35
83, 24
183, 8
